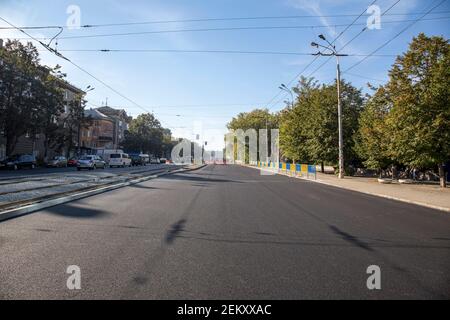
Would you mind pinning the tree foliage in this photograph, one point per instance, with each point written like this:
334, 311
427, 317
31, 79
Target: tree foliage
309, 131
419, 86
373, 138
145, 134
31, 98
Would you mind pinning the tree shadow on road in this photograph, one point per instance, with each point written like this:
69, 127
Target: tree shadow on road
72, 211
197, 178
175, 229
351, 239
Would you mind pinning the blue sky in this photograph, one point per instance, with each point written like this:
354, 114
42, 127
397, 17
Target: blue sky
200, 92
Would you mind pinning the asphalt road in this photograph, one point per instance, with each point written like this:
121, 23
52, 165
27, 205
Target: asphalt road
226, 232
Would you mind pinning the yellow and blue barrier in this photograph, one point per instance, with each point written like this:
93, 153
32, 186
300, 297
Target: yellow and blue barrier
302, 170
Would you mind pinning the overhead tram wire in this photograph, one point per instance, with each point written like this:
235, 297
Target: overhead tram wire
268, 105
384, 45
124, 34
351, 40
393, 38
204, 51
90, 26
77, 66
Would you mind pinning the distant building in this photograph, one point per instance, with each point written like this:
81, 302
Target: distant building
121, 121
100, 132
106, 129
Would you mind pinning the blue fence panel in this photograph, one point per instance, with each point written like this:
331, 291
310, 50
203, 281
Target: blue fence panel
312, 169
280, 165
298, 167
288, 166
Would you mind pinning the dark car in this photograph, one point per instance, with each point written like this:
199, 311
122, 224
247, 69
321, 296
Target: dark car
136, 159
20, 161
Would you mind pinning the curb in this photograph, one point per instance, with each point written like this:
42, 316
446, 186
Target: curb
21, 211
418, 203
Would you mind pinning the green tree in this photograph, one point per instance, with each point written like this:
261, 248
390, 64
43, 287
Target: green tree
73, 123
19, 87
30, 96
167, 143
309, 131
256, 119
296, 123
50, 105
372, 138
419, 121
145, 134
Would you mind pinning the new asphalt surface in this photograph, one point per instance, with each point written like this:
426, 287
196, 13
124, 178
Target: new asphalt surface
227, 232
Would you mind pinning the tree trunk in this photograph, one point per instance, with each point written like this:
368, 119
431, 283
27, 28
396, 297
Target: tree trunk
394, 172
322, 167
11, 142
442, 180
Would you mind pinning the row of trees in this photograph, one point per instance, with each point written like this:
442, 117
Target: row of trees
31, 100
404, 123
145, 134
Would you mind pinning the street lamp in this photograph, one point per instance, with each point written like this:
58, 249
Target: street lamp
333, 52
284, 88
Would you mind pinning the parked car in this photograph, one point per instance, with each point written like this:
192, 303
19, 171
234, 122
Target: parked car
20, 161
163, 160
119, 160
136, 159
145, 158
154, 160
72, 162
91, 162
57, 162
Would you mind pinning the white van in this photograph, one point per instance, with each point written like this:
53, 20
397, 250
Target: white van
105, 153
119, 160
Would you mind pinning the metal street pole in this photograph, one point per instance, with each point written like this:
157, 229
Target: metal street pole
332, 48
341, 136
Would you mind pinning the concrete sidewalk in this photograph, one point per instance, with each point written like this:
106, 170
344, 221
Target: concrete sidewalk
428, 195
431, 196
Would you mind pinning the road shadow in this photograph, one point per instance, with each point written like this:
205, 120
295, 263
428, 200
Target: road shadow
175, 229
71, 211
351, 239
197, 178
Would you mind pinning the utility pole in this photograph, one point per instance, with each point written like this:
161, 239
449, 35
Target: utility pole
332, 48
341, 137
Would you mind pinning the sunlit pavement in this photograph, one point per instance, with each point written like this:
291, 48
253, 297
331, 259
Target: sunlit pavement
226, 232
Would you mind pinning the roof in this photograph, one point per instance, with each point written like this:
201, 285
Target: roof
71, 87
118, 113
95, 115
